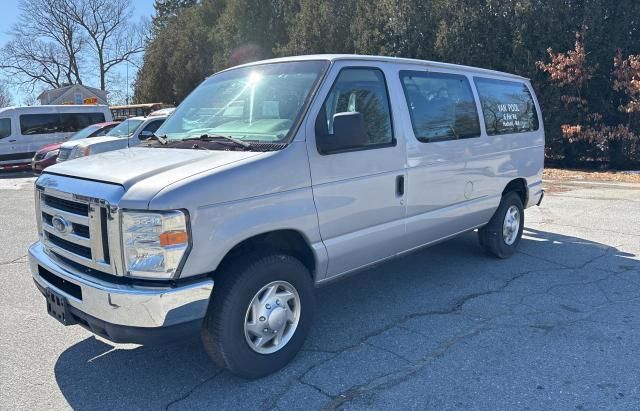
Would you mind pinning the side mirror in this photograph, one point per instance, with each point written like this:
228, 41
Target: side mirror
349, 131
145, 135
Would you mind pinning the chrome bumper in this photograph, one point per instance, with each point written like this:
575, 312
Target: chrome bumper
124, 305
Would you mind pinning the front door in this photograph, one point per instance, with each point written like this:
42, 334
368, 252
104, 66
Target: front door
359, 193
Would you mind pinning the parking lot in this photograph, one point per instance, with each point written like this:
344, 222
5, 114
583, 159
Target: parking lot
556, 326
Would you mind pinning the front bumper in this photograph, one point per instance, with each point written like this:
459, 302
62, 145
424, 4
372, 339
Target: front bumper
536, 193
40, 165
121, 312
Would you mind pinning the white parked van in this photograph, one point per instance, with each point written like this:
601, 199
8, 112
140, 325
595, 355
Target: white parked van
275, 177
130, 133
25, 130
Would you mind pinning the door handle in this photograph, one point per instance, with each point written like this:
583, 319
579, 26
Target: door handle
400, 185
12, 141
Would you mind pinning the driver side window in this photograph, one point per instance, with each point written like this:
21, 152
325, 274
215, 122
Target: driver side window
5, 127
359, 90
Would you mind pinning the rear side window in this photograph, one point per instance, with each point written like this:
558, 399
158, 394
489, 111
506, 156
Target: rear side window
441, 105
57, 123
71, 122
5, 127
39, 124
507, 106
362, 90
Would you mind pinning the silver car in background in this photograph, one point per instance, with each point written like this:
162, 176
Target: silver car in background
128, 133
275, 177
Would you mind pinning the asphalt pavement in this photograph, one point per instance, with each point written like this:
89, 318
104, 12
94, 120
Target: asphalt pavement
557, 326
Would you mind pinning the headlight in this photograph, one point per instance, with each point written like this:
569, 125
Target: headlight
51, 153
154, 243
75, 153
79, 151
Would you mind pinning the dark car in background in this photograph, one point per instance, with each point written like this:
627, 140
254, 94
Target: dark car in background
48, 154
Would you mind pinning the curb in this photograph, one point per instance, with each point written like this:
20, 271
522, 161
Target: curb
604, 184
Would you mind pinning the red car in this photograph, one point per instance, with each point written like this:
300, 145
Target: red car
48, 154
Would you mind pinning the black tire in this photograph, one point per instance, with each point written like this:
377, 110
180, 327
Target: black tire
223, 328
491, 236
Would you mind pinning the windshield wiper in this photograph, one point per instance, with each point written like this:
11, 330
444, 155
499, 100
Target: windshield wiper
214, 137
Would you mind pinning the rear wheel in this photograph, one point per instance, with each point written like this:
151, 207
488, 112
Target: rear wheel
259, 315
501, 235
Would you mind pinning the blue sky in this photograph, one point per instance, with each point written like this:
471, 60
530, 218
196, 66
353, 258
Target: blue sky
9, 16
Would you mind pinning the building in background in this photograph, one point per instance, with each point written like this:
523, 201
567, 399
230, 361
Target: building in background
73, 94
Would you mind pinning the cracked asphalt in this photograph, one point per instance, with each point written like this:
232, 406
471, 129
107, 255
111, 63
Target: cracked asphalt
557, 326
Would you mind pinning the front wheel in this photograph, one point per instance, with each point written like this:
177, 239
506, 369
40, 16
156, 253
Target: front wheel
259, 315
501, 235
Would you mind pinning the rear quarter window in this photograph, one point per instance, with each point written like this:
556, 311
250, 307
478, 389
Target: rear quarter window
507, 106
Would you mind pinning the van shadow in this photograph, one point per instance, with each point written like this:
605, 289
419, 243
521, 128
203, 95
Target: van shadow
95, 374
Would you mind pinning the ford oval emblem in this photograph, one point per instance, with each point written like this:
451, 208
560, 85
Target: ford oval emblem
60, 224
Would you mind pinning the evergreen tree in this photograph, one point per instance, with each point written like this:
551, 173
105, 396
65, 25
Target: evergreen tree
192, 39
166, 10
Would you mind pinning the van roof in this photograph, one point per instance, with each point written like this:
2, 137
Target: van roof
149, 117
400, 60
55, 108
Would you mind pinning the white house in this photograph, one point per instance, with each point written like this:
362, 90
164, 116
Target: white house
73, 94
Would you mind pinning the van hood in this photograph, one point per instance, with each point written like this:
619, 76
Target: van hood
83, 142
49, 147
161, 166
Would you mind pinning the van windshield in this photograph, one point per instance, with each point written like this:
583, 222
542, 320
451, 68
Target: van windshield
125, 129
258, 103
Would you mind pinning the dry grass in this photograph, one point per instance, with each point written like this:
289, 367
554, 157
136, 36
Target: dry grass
578, 175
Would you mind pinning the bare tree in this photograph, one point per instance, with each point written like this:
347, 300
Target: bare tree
59, 42
111, 35
5, 96
30, 100
29, 62
45, 47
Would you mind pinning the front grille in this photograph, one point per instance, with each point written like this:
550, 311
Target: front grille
63, 154
67, 205
80, 230
46, 218
69, 246
77, 228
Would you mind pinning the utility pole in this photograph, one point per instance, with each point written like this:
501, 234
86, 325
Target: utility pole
127, 82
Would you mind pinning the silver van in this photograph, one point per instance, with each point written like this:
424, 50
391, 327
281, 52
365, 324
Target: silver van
25, 130
275, 177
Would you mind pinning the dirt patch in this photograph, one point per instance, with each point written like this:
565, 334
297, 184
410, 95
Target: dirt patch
580, 175
556, 188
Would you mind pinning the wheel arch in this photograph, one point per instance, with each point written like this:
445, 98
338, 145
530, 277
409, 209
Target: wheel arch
519, 186
289, 241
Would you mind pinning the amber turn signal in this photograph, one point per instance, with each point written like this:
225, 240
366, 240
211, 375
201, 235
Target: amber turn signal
173, 238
